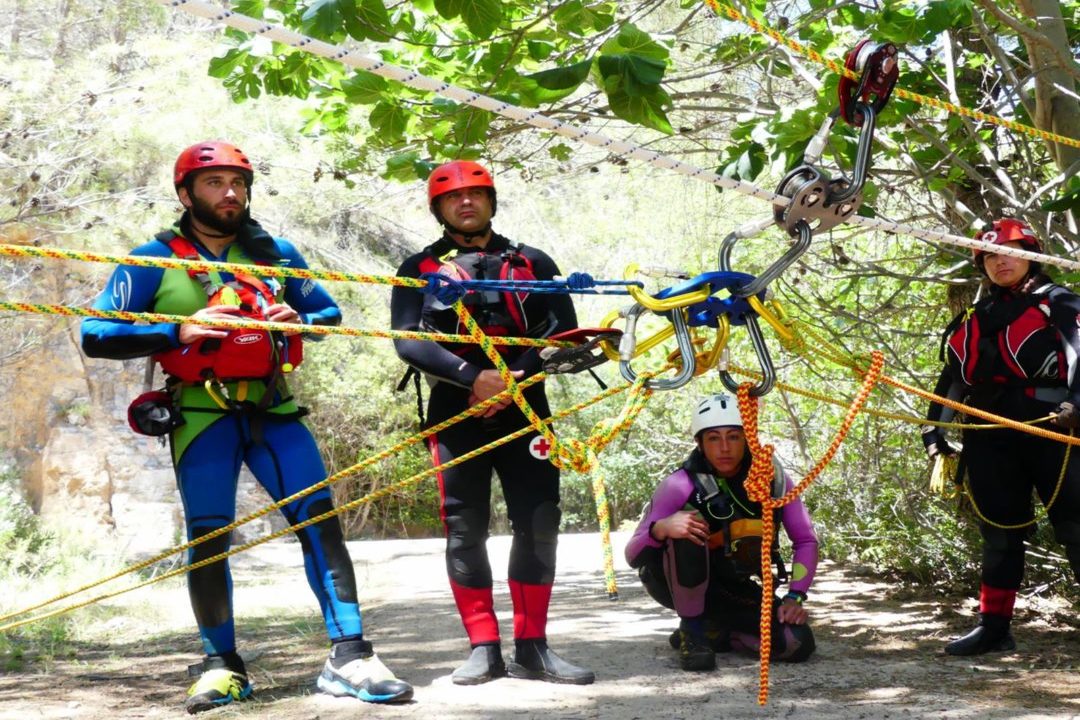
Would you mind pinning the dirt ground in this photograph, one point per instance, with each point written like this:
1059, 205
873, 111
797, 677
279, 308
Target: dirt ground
879, 651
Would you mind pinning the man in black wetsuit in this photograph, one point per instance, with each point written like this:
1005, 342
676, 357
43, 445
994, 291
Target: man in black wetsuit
462, 197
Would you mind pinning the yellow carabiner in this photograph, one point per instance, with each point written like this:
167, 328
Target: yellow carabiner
712, 358
667, 304
705, 360
612, 351
209, 386
774, 315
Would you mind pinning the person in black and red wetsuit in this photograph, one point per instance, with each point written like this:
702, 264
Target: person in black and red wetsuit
1013, 354
462, 198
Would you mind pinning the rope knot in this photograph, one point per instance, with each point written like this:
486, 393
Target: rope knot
445, 289
580, 281
574, 454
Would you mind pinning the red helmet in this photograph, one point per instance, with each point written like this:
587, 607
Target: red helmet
1008, 230
211, 154
457, 175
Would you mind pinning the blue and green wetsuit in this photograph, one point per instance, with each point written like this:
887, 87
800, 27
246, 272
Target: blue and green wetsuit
210, 447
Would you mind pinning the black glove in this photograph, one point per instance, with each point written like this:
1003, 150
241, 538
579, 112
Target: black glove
1067, 416
936, 444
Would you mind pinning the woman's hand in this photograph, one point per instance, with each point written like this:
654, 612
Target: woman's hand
792, 612
683, 525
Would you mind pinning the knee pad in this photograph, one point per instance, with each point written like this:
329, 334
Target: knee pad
793, 643
691, 563
545, 522
466, 528
466, 555
652, 579
210, 548
1000, 540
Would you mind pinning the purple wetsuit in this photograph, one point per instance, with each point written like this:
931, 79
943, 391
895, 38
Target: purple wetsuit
716, 583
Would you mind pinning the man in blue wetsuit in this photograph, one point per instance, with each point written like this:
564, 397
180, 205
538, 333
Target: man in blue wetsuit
227, 403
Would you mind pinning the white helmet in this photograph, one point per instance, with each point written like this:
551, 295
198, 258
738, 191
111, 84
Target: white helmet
717, 410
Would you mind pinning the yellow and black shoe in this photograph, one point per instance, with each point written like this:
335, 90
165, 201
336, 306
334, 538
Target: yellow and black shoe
222, 679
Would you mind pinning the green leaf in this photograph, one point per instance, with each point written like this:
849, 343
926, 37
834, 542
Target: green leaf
743, 162
900, 25
390, 120
222, 67
482, 17
471, 125
251, 8
548, 86
372, 21
402, 166
647, 110
324, 18
364, 87
640, 69
1069, 199
799, 127
539, 49
633, 41
561, 152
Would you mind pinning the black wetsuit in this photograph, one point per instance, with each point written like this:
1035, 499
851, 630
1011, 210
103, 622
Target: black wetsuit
1015, 356
530, 483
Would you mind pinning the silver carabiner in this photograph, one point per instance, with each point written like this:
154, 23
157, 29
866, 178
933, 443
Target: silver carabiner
768, 372
852, 193
686, 350
800, 246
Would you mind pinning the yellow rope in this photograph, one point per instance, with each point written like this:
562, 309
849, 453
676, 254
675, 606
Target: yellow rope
793, 336
371, 497
172, 263
1046, 507
336, 477
839, 68
912, 419
69, 311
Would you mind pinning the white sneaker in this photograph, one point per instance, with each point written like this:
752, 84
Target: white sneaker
365, 678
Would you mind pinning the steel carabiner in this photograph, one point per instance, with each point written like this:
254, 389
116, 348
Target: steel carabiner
686, 349
768, 372
802, 243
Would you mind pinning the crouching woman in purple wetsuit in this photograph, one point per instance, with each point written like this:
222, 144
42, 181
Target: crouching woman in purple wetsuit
699, 544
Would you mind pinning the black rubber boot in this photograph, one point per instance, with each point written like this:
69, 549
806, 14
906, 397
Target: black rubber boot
990, 635
695, 652
485, 663
534, 660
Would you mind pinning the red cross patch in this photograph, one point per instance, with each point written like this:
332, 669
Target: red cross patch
539, 447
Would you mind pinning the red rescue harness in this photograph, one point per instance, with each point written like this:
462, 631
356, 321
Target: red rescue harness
243, 354
498, 313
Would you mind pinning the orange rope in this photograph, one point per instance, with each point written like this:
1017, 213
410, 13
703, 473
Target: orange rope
758, 486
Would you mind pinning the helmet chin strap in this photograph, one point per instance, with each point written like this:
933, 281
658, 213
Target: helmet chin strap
449, 230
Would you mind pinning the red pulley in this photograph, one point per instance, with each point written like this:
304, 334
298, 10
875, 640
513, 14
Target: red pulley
880, 70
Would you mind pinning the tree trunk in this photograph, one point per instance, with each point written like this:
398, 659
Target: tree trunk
1056, 107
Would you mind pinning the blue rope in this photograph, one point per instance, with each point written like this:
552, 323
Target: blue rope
445, 289
577, 283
